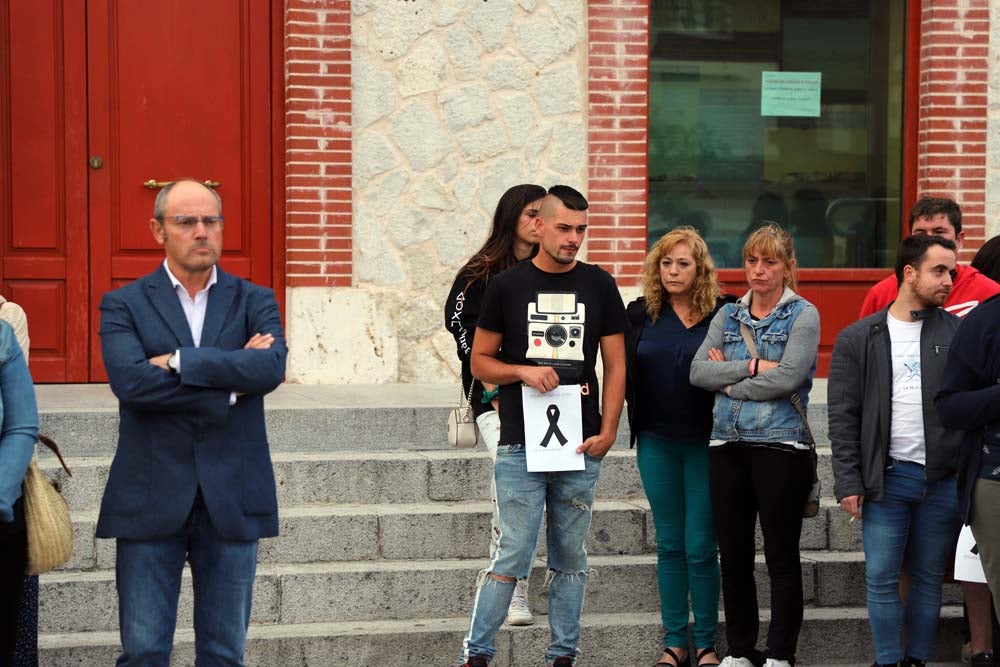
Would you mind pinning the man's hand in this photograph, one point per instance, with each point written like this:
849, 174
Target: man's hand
715, 354
161, 361
542, 378
852, 505
259, 341
596, 445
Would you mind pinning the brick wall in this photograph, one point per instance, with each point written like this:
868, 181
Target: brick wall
953, 86
318, 143
618, 92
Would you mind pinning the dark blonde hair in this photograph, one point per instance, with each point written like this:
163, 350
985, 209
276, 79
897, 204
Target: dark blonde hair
706, 289
773, 241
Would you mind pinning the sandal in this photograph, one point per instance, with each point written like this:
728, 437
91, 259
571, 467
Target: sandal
702, 653
677, 661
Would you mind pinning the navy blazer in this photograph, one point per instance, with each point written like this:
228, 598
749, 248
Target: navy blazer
178, 432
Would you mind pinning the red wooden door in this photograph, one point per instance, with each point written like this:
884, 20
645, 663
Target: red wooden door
96, 98
43, 188
175, 89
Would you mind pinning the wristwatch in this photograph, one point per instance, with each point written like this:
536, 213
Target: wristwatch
172, 361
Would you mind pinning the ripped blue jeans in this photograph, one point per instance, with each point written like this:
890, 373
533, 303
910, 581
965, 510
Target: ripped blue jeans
522, 496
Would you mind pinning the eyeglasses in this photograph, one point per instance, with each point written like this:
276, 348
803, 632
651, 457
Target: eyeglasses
187, 223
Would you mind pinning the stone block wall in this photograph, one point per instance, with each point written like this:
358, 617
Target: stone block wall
453, 102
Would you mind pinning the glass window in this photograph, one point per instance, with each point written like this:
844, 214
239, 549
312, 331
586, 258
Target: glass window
818, 151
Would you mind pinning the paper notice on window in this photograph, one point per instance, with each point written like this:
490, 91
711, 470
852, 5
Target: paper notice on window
790, 94
553, 428
968, 567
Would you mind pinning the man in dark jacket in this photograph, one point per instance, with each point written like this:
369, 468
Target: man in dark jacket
969, 401
891, 454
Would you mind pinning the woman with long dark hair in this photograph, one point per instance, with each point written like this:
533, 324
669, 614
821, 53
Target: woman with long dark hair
672, 420
511, 240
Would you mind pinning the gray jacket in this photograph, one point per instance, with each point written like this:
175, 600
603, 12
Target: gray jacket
859, 400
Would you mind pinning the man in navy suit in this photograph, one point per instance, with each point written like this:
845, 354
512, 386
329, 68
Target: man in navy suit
190, 352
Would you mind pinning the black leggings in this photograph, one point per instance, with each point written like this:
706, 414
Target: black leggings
772, 483
13, 559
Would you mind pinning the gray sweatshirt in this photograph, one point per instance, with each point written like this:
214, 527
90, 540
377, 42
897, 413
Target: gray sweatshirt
794, 368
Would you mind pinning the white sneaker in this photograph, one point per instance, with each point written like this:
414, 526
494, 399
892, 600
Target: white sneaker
519, 613
771, 662
730, 661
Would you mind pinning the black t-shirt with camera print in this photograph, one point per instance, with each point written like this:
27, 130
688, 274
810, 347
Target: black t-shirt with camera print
552, 319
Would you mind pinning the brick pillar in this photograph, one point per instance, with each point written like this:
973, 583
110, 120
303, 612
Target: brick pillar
618, 106
953, 77
318, 143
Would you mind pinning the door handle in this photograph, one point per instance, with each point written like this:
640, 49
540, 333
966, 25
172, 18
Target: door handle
153, 184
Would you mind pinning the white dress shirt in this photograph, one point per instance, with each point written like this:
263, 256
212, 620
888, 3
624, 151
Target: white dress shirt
194, 311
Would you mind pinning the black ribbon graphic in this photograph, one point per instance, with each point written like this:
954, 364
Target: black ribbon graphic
552, 413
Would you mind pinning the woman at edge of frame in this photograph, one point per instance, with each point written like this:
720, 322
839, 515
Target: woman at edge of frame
760, 463
18, 592
671, 420
511, 240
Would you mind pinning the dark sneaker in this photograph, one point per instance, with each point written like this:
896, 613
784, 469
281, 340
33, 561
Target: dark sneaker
477, 661
984, 659
912, 662
562, 662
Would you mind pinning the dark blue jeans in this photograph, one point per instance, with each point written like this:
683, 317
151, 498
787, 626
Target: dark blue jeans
916, 522
148, 574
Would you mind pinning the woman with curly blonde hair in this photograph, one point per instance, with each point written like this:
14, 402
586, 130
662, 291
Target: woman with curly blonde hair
672, 421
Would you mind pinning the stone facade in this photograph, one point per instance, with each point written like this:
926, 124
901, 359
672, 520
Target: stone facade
453, 102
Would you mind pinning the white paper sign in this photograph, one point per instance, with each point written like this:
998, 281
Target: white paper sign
553, 428
968, 567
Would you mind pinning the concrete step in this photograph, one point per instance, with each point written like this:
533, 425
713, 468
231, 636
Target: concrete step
416, 589
445, 529
322, 478
83, 419
829, 636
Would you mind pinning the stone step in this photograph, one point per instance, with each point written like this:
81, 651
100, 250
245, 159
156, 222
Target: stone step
415, 589
83, 419
320, 478
829, 636
445, 529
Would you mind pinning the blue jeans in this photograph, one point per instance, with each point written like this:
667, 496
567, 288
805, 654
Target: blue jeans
148, 577
675, 479
568, 498
916, 522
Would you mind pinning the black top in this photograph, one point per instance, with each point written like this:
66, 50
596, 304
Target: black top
661, 399
553, 319
461, 312
969, 399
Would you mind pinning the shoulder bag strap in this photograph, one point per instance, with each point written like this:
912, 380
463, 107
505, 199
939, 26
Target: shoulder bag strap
50, 443
748, 339
462, 397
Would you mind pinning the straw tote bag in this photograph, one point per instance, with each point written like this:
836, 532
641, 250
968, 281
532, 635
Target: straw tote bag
46, 514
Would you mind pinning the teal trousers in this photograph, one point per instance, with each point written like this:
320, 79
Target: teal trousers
675, 479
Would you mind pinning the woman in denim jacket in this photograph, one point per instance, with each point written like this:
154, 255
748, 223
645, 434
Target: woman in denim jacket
18, 435
759, 464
